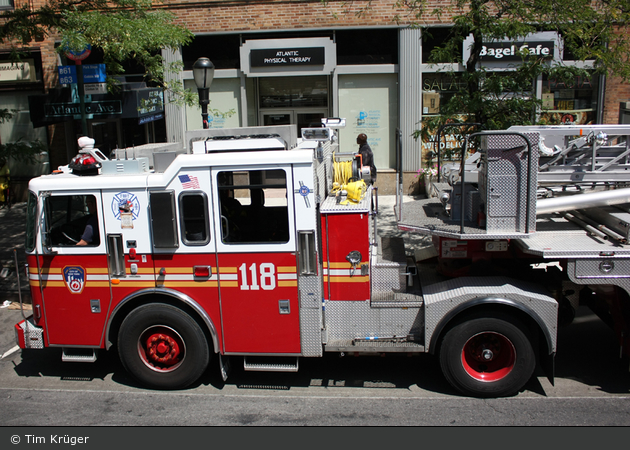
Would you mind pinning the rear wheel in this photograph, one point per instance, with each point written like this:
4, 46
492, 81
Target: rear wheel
163, 347
487, 357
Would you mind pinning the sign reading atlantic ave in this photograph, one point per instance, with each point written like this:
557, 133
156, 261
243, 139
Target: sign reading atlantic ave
104, 107
304, 56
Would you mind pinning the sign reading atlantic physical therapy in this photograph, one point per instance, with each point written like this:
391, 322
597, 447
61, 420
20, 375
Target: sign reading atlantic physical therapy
288, 57
303, 56
516, 51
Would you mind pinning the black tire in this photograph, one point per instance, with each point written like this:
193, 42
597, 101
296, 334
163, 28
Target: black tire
487, 357
163, 347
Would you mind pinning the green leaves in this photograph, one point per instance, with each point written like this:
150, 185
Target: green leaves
138, 33
594, 31
21, 151
122, 29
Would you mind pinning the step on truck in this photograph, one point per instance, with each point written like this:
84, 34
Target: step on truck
259, 248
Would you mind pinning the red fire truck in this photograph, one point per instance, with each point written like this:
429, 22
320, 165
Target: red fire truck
260, 247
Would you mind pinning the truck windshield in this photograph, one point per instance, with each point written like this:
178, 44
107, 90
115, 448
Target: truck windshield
31, 219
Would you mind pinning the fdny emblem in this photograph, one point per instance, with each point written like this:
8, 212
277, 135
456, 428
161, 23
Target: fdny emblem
304, 191
125, 203
74, 277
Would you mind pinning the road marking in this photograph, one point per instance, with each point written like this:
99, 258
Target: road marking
8, 352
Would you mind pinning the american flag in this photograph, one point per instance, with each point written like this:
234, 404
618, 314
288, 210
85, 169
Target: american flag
189, 182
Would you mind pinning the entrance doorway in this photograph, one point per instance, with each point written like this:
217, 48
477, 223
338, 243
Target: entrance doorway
302, 101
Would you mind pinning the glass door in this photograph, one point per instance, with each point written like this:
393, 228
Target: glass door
301, 101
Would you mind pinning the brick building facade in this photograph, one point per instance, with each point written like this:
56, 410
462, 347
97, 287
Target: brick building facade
373, 74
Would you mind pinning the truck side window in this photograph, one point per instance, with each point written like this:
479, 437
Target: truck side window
68, 217
193, 212
163, 219
253, 206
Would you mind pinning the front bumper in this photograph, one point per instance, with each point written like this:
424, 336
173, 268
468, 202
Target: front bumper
27, 335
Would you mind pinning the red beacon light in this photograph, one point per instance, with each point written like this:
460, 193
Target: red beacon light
88, 160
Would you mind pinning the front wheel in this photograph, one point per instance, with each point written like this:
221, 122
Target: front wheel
487, 357
163, 347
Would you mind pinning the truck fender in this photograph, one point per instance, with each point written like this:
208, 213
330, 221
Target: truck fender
164, 292
504, 305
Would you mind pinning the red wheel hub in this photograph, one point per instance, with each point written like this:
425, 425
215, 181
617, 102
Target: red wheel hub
161, 348
488, 356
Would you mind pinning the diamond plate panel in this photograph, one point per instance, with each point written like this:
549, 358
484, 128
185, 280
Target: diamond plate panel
388, 278
310, 292
33, 336
503, 184
571, 243
444, 297
502, 205
357, 320
602, 268
572, 269
389, 266
330, 204
324, 171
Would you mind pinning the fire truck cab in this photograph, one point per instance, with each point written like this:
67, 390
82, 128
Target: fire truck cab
202, 257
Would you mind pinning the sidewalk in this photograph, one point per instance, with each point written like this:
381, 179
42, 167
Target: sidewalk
418, 245
12, 235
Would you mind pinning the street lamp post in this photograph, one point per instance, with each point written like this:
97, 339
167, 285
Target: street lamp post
203, 73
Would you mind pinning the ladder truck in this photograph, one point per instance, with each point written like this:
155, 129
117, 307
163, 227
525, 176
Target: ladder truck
260, 248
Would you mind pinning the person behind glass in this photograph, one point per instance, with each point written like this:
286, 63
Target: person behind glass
90, 234
366, 155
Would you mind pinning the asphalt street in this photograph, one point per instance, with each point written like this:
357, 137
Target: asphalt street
592, 385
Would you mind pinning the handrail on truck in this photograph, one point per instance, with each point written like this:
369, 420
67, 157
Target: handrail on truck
437, 143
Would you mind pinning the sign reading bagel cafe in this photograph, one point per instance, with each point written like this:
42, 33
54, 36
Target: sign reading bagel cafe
516, 51
543, 45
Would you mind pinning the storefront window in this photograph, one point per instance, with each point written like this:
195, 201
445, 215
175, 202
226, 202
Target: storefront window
369, 103
223, 51
224, 98
437, 90
436, 37
368, 46
293, 92
569, 103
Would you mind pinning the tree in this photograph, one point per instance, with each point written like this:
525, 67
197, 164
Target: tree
123, 29
591, 30
20, 151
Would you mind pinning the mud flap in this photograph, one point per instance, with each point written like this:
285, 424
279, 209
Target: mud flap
225, 365
548, 365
